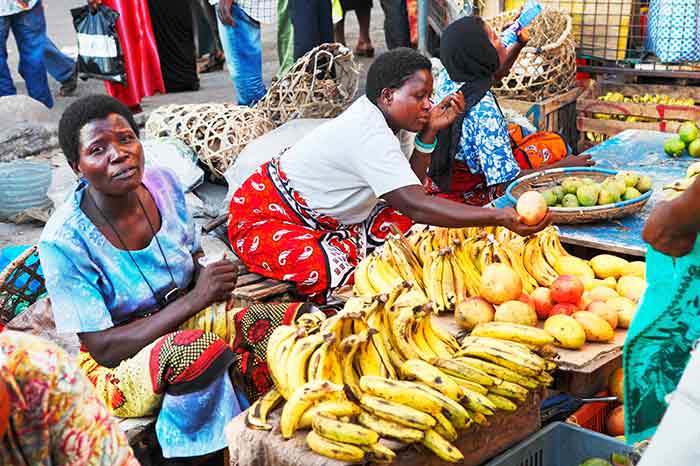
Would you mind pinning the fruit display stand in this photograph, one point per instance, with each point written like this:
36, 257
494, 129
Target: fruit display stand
249, 447
640, 151
600, 119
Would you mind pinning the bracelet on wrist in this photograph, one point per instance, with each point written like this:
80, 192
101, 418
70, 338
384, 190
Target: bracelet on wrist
423, 147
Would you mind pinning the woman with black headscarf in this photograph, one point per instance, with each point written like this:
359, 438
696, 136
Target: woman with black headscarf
474, 161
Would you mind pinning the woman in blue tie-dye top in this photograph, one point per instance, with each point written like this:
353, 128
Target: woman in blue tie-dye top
120, 259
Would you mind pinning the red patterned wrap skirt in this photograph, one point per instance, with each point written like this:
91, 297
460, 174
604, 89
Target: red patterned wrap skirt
276, 234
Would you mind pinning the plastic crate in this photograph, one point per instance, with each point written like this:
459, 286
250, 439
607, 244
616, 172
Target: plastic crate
592, 416
560, 444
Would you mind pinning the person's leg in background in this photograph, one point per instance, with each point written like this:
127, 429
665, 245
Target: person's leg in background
325, 22
61, 68
305, 25
7, 87
243, 49
29, 29
285, 38
396, 29
207, 34
364, 42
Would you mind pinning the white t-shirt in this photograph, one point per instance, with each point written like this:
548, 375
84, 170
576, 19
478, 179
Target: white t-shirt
344, 166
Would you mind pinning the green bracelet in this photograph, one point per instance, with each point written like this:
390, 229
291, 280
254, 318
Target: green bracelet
425, 147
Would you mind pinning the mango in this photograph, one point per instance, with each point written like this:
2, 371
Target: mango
596, 328
630, 194
602, 294
566, 331
516, 312
570, 185
635, 269
587, 195
570, 265
624, 318
631, 287
592, 283
607, 265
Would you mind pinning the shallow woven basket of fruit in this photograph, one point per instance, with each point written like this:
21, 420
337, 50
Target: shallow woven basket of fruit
586, 195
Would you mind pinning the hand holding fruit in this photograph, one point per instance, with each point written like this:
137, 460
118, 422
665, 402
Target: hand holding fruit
513, 221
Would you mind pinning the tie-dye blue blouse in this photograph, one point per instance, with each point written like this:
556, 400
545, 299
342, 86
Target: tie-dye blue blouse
94, 285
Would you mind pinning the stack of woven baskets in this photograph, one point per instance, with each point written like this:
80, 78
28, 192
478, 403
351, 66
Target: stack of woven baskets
547, 65
320, 85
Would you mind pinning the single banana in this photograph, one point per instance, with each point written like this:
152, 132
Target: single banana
390, 429
302, 398
376, 321
449, 293
335, 450
443, 335
396, 412
445, 428
433, 279
433, 377
455, 412
329, 367
344, 432
256, 418
475, 387
333, 408
475, 401
456, 368
314, 360
379, 453
418, 337
460, 284
472, 277
348, 348
502, 403
502, 358
401, 392
501, 372
442, 343
509, 390
401, 330
513, 332
277, 362
441, 447
363, 286
478, 418
297, 365
424, 335
368, 359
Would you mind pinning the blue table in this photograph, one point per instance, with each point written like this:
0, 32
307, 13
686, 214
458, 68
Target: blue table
634, 150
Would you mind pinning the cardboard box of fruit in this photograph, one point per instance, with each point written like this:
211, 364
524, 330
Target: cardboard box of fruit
582, 195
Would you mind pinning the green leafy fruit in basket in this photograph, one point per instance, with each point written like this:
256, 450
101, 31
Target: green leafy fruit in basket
688, 132
569, 200
587, 195
629, 178
694, 148
674, 147
615, 186
644, 184
631, 193
559, 192
596, 462
606, 197
570, 185
550, 198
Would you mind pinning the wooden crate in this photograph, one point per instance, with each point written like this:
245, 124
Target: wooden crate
666, 118
556, 114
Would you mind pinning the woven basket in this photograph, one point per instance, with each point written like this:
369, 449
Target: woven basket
547, 66
572, 215
216, 132
21, 284
321, 84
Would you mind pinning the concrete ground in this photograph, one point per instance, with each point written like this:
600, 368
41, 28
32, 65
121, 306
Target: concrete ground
215, 87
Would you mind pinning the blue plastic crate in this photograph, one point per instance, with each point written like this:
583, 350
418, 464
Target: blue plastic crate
560, 444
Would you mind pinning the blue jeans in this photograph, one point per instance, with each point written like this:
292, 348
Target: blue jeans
59, 65
29, 29
243, 50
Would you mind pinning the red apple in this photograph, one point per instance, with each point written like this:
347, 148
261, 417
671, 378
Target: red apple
542, 298
567, 289
525, 298
566, 309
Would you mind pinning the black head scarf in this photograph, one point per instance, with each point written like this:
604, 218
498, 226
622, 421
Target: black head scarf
469, 57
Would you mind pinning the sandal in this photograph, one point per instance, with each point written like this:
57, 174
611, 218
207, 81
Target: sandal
215, 63
365, 51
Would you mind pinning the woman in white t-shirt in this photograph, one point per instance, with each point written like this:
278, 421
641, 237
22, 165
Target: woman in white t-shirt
309, 215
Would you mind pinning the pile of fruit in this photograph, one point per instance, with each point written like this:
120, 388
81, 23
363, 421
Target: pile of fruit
679, 186
382, 369
585, 192
492, 274
617, 97
688, 139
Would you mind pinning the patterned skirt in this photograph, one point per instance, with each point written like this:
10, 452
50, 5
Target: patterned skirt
183, 370
275, 234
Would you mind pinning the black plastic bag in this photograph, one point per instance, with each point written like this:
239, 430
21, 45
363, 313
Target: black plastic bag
99, 52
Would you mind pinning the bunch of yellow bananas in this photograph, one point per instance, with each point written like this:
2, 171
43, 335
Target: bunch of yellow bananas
381, 368
678, 187
451, 261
